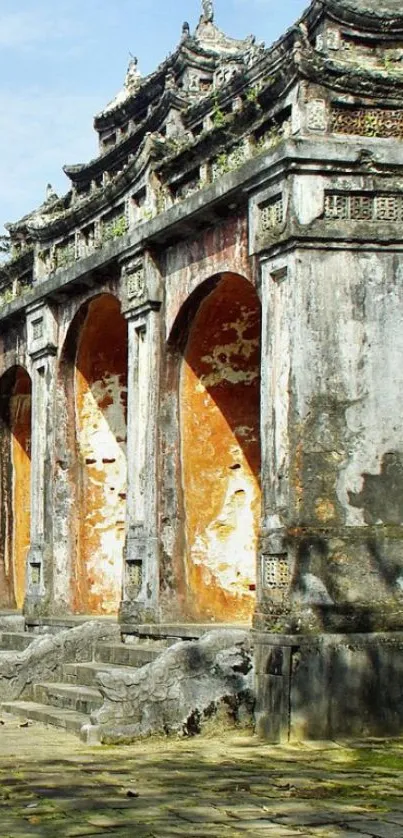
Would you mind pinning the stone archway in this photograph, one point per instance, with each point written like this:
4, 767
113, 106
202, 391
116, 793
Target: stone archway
100, 416
220, 450
15, 484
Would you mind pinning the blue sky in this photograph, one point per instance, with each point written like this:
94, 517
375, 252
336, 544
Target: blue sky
61, 61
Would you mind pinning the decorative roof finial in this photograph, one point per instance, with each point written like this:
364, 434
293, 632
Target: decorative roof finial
50, 193
133, 76
208, 11
185, 31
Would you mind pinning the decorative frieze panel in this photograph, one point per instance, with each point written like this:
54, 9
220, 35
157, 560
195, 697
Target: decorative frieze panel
276, 573
37, 329
328, 40
364, 206
41, 330
316, 115
133, 276
134, 575
367, 122
135, 281
141, 285
35, 574
272, 214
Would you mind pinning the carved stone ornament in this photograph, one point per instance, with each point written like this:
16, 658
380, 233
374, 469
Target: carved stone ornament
361, 206
133, 76
333, 39
37, 329
272, 214
208, 11
316, 115
135, 280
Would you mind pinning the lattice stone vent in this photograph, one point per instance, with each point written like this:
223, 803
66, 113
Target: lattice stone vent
276, 573
358, 206
367, 122
272, 214
37, 328
135, 574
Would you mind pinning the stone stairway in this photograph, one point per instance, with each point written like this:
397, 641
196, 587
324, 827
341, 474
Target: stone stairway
69, 703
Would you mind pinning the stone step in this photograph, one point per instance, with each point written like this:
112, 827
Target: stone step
30, 711
126, 654
12, 621
173, 632
15, 641
83, 674
68, 697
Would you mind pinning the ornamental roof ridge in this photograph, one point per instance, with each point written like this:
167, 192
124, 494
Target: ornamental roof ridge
207, 39
52, 205
384, 14
143, 99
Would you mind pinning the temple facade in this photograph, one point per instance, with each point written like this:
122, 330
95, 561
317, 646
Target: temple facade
201, 343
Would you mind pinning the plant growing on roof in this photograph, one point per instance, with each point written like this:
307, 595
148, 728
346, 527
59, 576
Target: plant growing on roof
218, 116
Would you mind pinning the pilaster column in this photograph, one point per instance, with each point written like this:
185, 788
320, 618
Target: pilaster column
42, 347
273, 573
141, 567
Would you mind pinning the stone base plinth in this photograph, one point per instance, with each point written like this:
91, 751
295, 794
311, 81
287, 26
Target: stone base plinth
328, 686
137, 613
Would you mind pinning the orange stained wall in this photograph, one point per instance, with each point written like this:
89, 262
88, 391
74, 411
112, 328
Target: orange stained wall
220, 433
19, 423
101, 422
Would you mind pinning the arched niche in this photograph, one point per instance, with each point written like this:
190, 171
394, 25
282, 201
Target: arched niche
94, 377
219, 407
15, 484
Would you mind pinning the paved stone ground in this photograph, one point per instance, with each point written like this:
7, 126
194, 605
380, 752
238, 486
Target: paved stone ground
231, 785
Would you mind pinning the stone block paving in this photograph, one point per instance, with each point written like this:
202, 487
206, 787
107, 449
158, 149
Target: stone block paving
224, 785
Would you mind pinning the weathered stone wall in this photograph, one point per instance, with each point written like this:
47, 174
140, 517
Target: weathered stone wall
221, 248
344, 431
330, 546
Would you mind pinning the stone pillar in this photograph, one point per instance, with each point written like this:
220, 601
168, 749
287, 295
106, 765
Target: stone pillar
273, 572
141, 566
42, 347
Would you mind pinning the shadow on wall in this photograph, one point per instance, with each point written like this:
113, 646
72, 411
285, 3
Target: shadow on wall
381, 497
351, 578
347, 686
